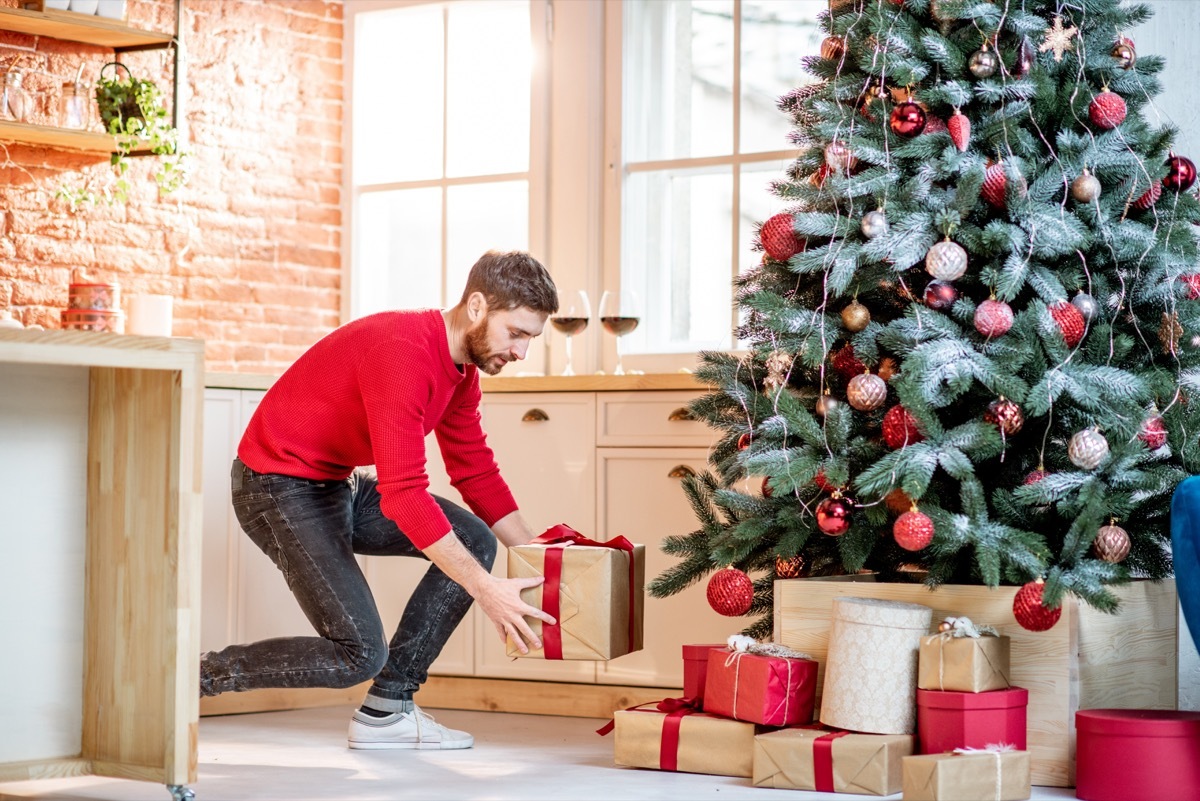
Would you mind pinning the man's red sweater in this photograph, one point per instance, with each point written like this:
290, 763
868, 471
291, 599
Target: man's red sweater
368, 394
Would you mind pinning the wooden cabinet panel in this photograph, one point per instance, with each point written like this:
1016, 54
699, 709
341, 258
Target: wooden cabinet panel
649, 419
644, 502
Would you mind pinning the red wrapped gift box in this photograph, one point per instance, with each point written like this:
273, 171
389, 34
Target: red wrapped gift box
947, 720
771, 690
695, 668
1137, 755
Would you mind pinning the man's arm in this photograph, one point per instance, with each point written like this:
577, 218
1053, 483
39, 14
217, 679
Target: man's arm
513, 530
499, 598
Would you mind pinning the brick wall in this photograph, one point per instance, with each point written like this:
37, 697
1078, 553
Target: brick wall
250, 248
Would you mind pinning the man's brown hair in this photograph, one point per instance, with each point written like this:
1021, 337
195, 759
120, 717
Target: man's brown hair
512, 280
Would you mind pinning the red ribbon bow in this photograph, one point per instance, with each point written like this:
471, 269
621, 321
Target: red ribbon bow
668, 747
558, 538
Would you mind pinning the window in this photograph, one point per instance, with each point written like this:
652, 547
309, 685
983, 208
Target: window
443, 117
700, 138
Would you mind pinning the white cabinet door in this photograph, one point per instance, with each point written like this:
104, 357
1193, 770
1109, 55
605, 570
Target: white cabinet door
644, 502
393, 580
220, 541
545, 446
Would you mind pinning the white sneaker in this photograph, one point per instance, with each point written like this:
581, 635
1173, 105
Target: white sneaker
416, 729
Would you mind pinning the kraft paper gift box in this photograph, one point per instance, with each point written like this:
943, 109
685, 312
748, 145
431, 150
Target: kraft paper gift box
684, 740
593, 590
830, 762
963, 664
971, 776
770, 690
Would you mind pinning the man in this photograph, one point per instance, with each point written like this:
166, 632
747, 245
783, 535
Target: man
368, 394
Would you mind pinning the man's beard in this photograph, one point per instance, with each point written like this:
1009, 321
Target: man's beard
477, 349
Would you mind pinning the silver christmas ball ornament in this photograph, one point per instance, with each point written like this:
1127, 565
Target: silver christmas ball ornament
1088, 449
826, 404
874, 223
1087, 306
983, 63
1085, 188
946, 261
866, 392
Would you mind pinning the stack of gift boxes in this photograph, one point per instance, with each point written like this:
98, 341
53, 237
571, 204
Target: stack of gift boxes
903, 709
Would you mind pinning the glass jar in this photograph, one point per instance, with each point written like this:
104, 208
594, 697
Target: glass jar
75, 106
14, 102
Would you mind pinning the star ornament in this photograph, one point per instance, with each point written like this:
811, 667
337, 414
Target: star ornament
1058, 39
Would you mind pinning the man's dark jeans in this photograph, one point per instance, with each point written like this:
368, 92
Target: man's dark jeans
311, 530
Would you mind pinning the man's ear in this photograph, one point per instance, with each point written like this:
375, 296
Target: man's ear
477, 307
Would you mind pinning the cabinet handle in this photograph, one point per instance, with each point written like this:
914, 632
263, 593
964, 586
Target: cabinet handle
680, 414
681, 471
535, 416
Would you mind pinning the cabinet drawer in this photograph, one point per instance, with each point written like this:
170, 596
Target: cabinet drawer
649, 419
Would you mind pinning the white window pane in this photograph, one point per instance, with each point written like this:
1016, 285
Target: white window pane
678, 78
758, 203
677, 250
775, 36
397, 95
397, 251
488, 88
480, 218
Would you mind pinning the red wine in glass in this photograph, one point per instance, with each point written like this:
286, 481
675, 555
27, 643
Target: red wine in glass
619, 326
569, 325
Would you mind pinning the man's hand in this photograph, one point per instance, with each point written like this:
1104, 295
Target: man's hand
500, 598
501, 601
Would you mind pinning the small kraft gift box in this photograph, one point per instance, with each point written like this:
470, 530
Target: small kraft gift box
1137, 755
830, 762
948, 720
593, 590
964, 657
761, 683
695, 668
998, 773
674, 735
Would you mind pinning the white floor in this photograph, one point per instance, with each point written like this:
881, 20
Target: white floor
302, 754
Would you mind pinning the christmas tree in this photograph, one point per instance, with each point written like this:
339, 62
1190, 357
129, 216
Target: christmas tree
966, 352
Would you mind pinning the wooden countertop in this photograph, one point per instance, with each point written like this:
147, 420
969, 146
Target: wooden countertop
92, 349
557, 383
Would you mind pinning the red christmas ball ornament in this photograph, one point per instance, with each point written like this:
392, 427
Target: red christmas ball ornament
1028, 609
940, 295
1153, 433
833, 515
778, 237
1070, 322
959, 126
935, 124
1181, 174
822, 483
913, 530
908, 119
767, 492
993, 318
1034, 476
817, 179
900, 428
846, 363
1193, 284
1005, 415
1149, 197
994, 184
730, 592
743, 441
1107, 110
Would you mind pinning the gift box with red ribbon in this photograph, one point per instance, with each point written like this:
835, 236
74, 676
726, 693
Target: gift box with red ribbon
592, 589
949, 720
675, 735
770, 690
695, 668
830, 762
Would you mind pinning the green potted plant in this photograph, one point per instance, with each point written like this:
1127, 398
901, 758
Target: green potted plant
132, 110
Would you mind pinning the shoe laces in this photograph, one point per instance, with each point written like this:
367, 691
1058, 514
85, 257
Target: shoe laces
424, 719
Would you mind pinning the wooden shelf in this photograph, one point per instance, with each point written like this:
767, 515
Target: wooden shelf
84, 28
52, 136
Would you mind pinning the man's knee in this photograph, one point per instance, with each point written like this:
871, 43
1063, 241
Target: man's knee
364, 662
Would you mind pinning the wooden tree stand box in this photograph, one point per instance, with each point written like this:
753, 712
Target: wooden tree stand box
1089, 659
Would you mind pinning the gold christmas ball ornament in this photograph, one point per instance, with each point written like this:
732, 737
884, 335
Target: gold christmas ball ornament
866, 392
789, 567
946, 261
1088, 449
1085, 188
983, 63
874, 224
1125, 54
897, 501
1111, 543
945, 625
833, 48
839, 158
826, 404
856, 317
887, 368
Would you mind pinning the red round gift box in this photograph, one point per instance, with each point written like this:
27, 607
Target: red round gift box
947, 720
695, 666
1137, 755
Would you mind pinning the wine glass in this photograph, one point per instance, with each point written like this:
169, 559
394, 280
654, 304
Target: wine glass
620, 313
572, 316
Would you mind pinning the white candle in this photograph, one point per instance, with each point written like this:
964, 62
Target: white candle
150, 315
